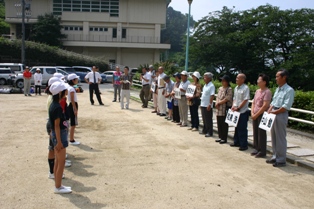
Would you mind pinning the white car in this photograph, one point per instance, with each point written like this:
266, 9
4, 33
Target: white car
109, 75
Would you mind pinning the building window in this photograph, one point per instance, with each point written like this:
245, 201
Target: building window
73, 28
106, 6
114, 33
123, 33
101, 29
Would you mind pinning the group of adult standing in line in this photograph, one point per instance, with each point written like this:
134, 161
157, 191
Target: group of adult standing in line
164, 91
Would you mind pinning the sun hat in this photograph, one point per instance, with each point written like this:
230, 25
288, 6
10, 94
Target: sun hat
197, 75
57, 87
184, 72
58, 75
52, 80
72, 76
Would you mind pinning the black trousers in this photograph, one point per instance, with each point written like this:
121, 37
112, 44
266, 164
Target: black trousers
259, 136
37, 89
176, 114
222, 127
194, 116
94, 87
207, 120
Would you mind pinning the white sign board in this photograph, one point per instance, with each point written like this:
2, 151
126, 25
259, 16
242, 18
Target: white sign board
267, 121
190, 91
153, 88
232, 118
177, 93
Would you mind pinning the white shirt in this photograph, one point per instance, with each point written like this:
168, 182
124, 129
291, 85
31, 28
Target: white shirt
38, 77
161, 82
184, 85
208, 91
90, 77
147, 76
241, 93
71, 89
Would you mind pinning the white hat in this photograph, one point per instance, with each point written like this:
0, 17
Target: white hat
58, 75
72, 76
196, 74
67, 85
151, 66
38, 69
57, 87
184, 72
52, 80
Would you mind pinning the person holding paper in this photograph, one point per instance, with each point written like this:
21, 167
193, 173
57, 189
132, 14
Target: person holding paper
169, 87
126, 82
176, 114
207, 105
152, 75
161, 91
281, 104
260, 104
223, 104
116, 84
183, 106
194, 101
144, 94
155, 94
241, 104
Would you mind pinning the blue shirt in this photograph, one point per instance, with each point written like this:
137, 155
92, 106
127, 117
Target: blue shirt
208, 91
241, 93
283, 97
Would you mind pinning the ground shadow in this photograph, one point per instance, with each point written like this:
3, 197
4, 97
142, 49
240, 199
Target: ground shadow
87, 148
79, 169
135, 110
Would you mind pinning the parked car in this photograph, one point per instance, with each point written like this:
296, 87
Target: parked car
109, 75
16, 67
46, 71
67, 69
133, 71
6, 75
83, 70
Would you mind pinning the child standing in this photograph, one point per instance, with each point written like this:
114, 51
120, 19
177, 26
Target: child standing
37, 81
126, 82
59, 128
73, 106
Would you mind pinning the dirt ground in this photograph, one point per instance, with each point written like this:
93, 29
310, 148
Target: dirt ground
134, 159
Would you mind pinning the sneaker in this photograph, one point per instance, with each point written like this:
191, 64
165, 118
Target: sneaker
52, 176
190, 128
194, 129
62, 190
66, 187
67, 164
74, 142
66, 156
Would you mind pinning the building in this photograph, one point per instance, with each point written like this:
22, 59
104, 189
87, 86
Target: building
126, 32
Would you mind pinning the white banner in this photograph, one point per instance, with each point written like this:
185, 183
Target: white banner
190, 91
232, 118
177, 93
153, 88
267, 121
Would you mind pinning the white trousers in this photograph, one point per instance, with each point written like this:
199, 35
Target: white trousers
162, 104
125, 94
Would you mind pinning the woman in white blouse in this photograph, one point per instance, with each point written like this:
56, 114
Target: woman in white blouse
38, 78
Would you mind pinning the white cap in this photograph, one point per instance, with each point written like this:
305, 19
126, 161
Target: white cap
58, 75
38, 69
67, 85
72, 76
151, 66
57, 87
184, 72
197, 74
52, 80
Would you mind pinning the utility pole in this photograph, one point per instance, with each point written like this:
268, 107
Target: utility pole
188, 38
23, 33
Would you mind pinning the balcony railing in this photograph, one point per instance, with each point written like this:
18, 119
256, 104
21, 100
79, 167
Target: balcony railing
109, 38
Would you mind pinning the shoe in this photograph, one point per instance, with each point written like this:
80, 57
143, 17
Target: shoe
114, 100
127, 108
122, 108
222, 142
144, 106
154, 111
201, 133
179, 124
260, 155
169, 119
25, 95
101, 104
183, 125
162, 114
157, 113
66, 156
74, 142
279, 165
190, 129
234, 145
218, 140
66, 187
243, 148
254, 152
92, 103
29, 95
62, 190
52, 176
271, 161
195, 129
67, 163
208, 135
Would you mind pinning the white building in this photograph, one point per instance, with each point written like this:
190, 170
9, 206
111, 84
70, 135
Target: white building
125, 32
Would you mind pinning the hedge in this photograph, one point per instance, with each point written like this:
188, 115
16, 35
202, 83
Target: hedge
41, 53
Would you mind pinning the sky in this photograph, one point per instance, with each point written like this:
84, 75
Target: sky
201, 8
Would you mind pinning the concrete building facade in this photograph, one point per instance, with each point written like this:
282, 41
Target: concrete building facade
126, 32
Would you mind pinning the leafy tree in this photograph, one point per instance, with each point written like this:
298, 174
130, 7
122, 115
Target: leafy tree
48, 30
4, 27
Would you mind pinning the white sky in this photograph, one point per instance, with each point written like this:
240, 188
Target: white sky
201, 8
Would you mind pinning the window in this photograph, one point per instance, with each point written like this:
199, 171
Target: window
114, 33
73, 28
106, 6
123, 33
100, 29
50, 70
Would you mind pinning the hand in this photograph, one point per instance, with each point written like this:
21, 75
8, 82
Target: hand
163, 92
59, 147
75, 111
181, 89
217, 105
254, 117
89, 82
209, 107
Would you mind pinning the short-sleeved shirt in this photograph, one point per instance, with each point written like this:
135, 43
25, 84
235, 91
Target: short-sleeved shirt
208, 91
184, 85
147, 76
283, 97
27, 74
259, 98
160, 81
55, 112
116, 78
90, 77
169, 86
224, 93
72, 89
241, 93
126, 86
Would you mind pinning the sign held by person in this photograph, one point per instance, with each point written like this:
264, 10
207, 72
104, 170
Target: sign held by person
232, 118
153, 88
267, 121
190, 90
177, 93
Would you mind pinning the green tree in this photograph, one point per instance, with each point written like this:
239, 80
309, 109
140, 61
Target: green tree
4, 27
48, 30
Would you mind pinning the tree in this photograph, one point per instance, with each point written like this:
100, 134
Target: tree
4, 27
48, 30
